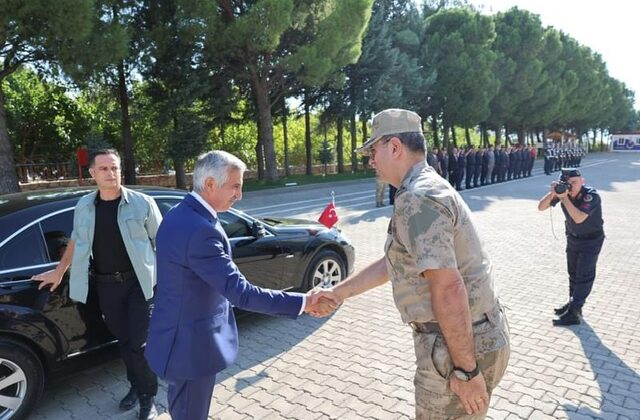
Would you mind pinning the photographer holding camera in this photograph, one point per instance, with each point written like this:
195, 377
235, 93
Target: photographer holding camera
582, 208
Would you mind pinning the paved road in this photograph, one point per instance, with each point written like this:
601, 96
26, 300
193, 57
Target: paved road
358, 363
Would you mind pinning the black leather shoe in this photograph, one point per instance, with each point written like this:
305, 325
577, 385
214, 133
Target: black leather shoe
571, 317
130, 400
562, 309
148, 409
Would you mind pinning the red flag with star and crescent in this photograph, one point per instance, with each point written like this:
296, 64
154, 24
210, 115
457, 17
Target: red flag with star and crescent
329, 216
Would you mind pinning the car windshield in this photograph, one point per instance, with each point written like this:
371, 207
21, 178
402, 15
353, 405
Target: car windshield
271, 222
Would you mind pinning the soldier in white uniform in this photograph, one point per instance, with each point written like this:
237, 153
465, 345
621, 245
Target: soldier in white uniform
441, 277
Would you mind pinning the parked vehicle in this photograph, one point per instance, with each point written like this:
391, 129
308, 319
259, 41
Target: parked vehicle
41, 331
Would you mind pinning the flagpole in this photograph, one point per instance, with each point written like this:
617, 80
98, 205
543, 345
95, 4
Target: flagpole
333, 202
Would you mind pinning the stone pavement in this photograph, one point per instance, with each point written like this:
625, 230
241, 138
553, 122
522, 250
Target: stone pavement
358, 363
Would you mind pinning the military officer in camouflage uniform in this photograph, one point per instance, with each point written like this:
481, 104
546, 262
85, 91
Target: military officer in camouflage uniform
441, 276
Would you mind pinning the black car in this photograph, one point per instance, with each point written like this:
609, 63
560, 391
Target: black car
41, 332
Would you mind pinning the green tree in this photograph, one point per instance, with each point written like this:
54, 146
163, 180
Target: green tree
591, 97
379, 78
458, 45
518, 44
336, 110
415, 74
176, 75
325, 155
543, 108
35, 32
322, 36
102, 111
44, 123
622, 116
108, 57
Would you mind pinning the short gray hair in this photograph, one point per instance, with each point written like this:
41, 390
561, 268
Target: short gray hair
216, 165
413, 140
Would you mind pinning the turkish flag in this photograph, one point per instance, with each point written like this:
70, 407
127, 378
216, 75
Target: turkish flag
329, 217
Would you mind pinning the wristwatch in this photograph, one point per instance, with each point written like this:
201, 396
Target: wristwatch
464, 375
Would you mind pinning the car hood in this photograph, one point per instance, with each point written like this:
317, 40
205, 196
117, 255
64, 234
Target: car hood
284, 222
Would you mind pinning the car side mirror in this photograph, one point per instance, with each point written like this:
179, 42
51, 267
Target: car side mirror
257, 230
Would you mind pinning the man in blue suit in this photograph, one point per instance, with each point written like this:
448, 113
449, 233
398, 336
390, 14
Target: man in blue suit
193, 334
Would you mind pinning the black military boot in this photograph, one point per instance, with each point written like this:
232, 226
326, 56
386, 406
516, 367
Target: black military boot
130, 400
571, 317
148, 409
562, 309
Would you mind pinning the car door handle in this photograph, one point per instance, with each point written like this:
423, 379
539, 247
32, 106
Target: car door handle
289, 256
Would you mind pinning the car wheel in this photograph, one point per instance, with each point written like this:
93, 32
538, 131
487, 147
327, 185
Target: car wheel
326, 270
21, 380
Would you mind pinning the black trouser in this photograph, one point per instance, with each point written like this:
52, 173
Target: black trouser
581, 265
460, 176
453, 177
469, 177
126, 313
483, 175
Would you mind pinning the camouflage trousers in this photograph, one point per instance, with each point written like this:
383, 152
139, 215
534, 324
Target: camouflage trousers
434, 398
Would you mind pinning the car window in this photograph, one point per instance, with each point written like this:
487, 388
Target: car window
234, 226
166, 204
57, 231
24, 250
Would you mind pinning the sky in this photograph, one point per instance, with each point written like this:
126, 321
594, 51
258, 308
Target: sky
610, 28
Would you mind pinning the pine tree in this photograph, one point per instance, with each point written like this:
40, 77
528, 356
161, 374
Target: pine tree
34, 32
268, 42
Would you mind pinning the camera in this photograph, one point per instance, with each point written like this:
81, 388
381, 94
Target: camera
562, 186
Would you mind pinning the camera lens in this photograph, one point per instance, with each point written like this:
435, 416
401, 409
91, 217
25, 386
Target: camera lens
560, 188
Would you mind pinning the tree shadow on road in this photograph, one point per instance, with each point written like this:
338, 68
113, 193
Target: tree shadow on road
264, 337
614, 377
100, 387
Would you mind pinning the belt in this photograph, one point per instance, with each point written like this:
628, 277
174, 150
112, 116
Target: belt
434, 327
117, 277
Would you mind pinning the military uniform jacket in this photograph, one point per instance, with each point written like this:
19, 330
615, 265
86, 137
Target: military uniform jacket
453, 162
462, 161
471, 161
431, 228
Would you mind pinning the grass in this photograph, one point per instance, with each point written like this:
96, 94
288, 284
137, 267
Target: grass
255, 185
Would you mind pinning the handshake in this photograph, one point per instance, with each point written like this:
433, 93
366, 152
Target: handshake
322, 302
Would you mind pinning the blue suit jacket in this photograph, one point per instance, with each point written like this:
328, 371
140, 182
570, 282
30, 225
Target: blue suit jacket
193, 332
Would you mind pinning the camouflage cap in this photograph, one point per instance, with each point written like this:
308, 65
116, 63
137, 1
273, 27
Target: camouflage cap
391, 121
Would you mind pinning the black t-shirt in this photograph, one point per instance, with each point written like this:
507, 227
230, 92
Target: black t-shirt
587, 201
109, 253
